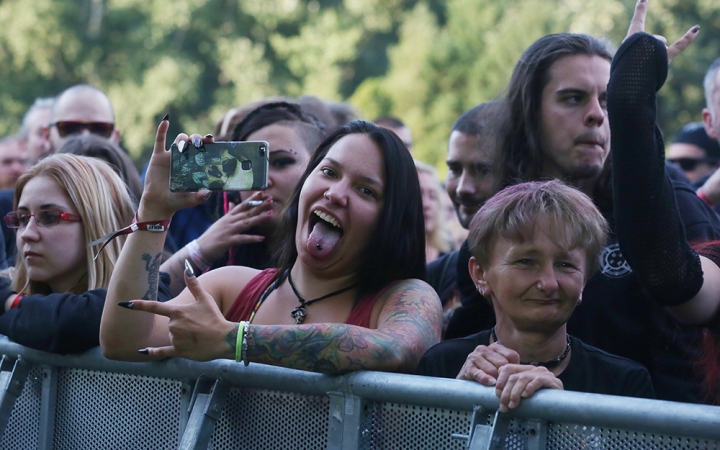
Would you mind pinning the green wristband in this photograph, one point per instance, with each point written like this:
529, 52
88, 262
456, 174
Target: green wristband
238, 341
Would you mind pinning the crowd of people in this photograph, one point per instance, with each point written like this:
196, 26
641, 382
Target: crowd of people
561, 266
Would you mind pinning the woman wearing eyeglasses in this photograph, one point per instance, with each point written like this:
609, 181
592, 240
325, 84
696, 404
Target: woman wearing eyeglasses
57, 290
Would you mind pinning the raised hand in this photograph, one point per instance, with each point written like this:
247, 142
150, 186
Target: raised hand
157, 201
229, 230
637, 25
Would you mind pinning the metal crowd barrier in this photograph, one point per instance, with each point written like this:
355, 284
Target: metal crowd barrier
88, 402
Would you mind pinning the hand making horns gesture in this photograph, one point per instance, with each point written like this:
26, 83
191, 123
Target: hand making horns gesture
637, 25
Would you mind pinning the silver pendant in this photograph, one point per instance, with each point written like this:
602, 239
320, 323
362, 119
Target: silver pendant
298, 314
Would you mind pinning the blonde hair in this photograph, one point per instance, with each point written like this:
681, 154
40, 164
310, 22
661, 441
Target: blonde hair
101, 199
513, 213
439, 236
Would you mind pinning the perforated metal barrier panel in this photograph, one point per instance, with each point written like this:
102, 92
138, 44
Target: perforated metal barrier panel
263, 419
394, 426
99, 409
564, 436
106, 410
23, 426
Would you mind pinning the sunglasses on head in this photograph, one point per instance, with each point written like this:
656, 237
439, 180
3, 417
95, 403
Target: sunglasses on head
69, 127
43, 218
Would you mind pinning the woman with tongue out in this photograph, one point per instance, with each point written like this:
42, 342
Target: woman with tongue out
346, 294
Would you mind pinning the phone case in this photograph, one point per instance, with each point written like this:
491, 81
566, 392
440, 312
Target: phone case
221, 166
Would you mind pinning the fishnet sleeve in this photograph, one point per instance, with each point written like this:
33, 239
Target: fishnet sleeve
648, 226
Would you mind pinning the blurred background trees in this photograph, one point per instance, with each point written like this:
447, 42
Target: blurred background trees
423, 61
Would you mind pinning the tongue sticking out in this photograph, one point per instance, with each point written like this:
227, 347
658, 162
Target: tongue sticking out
323, 238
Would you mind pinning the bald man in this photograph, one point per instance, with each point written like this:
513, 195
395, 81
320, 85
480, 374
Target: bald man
81, 109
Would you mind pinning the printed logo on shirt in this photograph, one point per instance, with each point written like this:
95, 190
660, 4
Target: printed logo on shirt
612, 262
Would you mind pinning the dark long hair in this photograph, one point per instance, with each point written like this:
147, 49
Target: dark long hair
521, 156
398, 250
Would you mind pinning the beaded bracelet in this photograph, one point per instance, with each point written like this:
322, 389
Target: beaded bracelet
196, 256
245, 345
239, 341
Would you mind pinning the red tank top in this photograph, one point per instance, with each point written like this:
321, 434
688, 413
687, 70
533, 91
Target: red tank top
245, 301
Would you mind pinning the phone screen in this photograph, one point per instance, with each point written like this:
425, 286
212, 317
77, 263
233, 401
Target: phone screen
220, 166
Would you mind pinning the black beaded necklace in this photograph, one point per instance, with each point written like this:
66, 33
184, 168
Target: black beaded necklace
547, 364
299, 312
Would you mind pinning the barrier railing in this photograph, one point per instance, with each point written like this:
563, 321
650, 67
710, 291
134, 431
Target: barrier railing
86, 401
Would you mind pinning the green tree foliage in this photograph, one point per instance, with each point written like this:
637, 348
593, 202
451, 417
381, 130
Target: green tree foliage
425, 61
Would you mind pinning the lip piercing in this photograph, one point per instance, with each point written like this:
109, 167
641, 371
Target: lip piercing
318, 246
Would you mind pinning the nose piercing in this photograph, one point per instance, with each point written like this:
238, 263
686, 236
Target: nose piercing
326, 195
539, 288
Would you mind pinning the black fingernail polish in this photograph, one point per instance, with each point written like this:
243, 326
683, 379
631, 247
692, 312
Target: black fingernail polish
144, 351
128, 305
197, 142
208, 135
166, 117
696, 28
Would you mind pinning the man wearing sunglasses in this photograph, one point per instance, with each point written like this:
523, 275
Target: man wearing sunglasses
696, 153
81, 109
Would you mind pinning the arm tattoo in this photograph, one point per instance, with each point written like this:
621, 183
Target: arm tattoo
152, 267
231, 338
410, 325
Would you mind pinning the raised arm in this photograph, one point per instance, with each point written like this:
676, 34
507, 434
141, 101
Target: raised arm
137, 270
648, 225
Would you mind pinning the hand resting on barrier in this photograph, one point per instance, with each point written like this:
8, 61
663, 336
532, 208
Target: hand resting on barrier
499, 366
484, 363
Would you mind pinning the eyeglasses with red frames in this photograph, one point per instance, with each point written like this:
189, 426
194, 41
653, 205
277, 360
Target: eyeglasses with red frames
69, 127
43, 218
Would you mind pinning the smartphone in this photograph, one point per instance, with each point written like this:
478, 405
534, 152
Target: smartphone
220, 166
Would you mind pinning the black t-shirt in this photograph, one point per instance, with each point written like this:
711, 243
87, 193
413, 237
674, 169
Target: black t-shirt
589, 370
